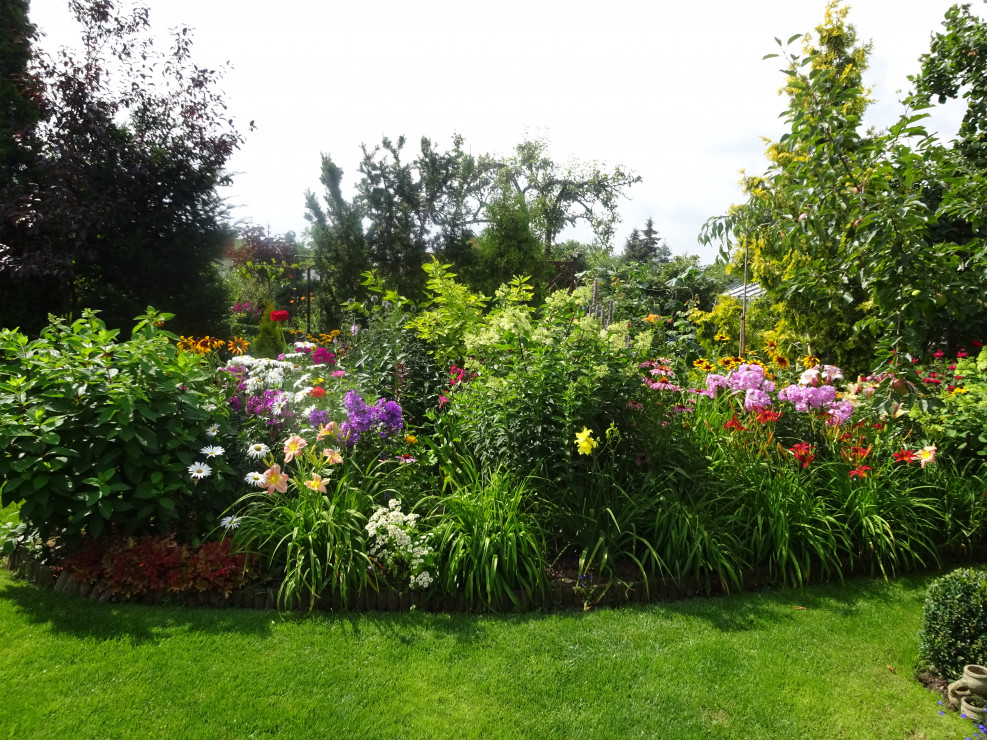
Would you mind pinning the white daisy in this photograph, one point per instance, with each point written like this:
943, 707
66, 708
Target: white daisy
209, 407
258, 450
212, 430
255, 479
229, 522
199, 470
213, 451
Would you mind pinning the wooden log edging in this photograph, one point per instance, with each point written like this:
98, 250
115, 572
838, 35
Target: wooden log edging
264, 597
559, 596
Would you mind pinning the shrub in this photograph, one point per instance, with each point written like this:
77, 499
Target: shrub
954, 623
98, 435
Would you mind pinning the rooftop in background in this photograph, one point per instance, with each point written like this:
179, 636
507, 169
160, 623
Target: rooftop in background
753, 291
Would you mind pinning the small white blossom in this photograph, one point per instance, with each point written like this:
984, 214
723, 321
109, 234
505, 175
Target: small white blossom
212, 451
212, 430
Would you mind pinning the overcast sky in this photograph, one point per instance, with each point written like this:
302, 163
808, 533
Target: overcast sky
675, 90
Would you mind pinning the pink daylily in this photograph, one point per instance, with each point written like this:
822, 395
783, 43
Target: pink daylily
275, 480
293, 446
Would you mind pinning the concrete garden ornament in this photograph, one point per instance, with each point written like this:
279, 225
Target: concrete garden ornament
970, 693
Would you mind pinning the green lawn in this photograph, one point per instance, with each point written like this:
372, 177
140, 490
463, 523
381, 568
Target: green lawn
746, 666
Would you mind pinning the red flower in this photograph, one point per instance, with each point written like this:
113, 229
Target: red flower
734, 425
860, 470
905, 456
960, 355
279, 316
976, 344
938, 354
768, 415
317, 392
803, 453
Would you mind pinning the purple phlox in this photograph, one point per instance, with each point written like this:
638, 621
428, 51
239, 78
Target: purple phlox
756, 400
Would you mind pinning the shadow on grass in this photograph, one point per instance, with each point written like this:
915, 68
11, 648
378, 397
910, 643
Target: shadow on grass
739, 612
82, 618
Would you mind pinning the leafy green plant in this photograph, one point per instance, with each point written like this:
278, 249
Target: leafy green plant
954, 622
98, 434
313, 533
489, 544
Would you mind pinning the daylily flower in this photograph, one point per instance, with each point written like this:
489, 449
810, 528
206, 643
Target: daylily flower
332, 456
926, 455
275, 480
293, 446
860, 470
803, 453
585, 442
905, 456
316, 484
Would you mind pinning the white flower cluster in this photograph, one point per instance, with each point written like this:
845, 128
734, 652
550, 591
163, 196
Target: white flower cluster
398, 546
263, 372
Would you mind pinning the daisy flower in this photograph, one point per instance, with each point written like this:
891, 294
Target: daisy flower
258, 450
199, 470
254, 479
212, 430
209, 407
229, 522
212, 451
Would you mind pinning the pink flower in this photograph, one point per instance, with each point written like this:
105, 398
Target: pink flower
293, 446
316, 484
332, 456
338, 373
926, 455
275, 480
443, 401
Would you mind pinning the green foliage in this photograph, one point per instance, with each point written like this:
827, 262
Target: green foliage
645, 247
865, 210
954, 622
489, 545
543, 375
269, 341
97, 434
387, 357
316, 539
508, 248
452, 311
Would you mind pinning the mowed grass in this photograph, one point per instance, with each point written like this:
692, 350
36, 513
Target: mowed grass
775, 664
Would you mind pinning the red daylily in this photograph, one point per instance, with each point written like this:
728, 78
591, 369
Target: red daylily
860, 470
734, 425
803, 453
905, 456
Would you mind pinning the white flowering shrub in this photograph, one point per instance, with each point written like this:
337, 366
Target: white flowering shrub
398, 547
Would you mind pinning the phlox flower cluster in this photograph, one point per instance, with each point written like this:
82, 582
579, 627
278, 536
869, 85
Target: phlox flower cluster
747, 379
261, 372
271, 405
814, 391
383, 417
398, 546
